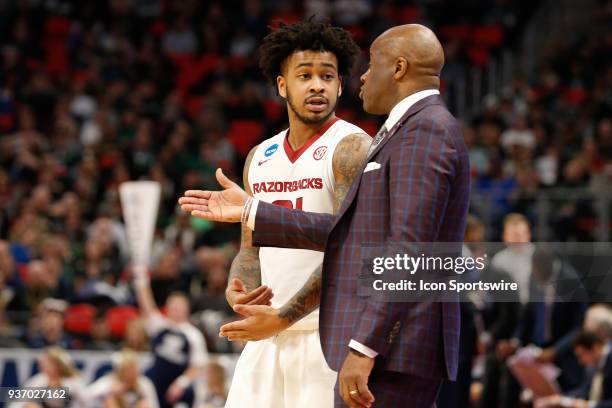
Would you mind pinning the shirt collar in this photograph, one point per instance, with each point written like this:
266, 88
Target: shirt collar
604, 356
402, 106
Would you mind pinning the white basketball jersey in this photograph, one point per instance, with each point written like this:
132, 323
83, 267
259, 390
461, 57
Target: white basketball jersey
302, 179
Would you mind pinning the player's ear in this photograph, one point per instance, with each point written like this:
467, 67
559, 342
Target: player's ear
340, 87
281, 86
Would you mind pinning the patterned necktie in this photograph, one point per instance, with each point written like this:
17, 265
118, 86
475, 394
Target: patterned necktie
382, 133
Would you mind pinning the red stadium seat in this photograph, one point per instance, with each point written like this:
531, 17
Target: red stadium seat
193, 105
57, 26
287, 18
346, 114
490, 36
192, 69
369, 126
575, 96
158, 27
479, 56
359, 33
455, 32
78, 319
6, 122
408, 14
244, 134
118, 317
274, 110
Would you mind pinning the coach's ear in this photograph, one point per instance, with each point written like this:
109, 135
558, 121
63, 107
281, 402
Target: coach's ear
282, 89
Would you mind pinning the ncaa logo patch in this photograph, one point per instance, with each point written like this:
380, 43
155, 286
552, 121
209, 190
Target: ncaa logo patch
271, 150
319, 152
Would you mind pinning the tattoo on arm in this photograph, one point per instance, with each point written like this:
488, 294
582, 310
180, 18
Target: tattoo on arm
305, 301
245, 265
348, 159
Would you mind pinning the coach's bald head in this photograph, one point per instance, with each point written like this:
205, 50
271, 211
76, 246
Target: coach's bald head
403, 60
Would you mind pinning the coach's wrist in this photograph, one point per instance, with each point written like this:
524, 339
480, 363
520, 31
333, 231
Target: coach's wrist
357, 353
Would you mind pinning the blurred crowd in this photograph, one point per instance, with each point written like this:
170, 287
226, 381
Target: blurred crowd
93, 94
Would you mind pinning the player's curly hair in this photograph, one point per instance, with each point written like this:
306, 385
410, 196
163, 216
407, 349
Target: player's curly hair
306, 35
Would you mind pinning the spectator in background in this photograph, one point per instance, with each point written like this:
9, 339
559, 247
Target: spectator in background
516, 260
594, 353
42, 282
124, 386
135, 337
598, 319
167, 277
180, 232
57, 370
513, 264
179, 349
457, 393
12, 294
99, 336
553, 315
48, 327
215, 390
180, 39
519, 138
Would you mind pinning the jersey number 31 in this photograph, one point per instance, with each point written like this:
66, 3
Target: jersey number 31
289, 203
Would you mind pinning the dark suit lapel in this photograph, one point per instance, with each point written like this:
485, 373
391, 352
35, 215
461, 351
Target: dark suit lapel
414, 109
430, 100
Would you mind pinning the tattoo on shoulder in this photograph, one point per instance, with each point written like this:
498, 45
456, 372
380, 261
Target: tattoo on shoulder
349, 156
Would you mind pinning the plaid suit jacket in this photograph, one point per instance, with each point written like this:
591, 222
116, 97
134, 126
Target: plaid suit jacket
420, 193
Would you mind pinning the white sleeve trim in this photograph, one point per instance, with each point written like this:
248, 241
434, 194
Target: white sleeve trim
252, 214
355, 345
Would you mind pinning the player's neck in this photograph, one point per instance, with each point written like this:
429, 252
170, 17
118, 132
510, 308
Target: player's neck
300, 132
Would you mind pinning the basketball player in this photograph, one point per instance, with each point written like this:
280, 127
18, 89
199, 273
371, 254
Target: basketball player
178, 347
309, 166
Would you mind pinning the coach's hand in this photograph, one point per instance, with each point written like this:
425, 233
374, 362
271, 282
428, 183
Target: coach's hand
224, 206
353, 380
260, 323
236, 294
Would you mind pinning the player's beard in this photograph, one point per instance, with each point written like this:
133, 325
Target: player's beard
306, 120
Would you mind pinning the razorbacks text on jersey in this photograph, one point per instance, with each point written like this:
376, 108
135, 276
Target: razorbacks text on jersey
301, 179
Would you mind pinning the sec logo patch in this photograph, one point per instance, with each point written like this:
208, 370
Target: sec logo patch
319, 152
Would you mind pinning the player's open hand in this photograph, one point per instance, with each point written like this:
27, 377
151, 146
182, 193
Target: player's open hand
237, 294
260, 323
224, 206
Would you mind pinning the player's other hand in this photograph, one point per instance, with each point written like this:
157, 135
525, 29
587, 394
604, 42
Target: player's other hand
224, 206
260, 323
236, 294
